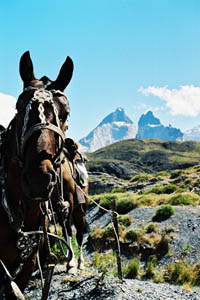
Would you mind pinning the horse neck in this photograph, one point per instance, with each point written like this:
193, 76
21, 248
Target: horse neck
13, 168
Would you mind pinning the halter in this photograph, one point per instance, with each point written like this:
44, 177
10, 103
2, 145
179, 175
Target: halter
41, 96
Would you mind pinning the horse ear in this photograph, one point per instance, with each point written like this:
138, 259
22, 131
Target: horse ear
26, 69
64, 75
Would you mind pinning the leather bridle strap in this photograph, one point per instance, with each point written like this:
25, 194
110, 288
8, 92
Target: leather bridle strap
41, 126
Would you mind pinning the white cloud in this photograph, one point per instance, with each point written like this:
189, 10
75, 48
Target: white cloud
7, 108
182, 101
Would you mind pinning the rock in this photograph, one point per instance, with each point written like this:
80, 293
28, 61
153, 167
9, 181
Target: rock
103, 183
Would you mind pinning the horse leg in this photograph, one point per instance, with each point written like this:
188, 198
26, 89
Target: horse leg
65, 222
71, 266
80, 223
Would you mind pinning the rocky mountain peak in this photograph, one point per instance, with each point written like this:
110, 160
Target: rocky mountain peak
118, 115
114, 127
148, 118
150, 127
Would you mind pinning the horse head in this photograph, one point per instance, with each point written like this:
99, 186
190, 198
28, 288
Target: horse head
41, 120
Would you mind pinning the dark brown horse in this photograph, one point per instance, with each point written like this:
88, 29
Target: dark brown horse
30, 166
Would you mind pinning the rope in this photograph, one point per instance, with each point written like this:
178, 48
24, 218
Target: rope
88, 197
112, 213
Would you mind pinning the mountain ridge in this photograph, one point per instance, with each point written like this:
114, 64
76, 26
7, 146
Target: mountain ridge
114, 127
117, 126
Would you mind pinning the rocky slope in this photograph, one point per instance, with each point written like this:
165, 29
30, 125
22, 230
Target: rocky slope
90, 284
98, 288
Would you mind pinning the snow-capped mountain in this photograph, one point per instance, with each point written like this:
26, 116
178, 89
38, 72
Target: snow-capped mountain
150, 127
114, 127
192, 134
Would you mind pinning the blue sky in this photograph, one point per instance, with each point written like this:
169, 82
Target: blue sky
135, 54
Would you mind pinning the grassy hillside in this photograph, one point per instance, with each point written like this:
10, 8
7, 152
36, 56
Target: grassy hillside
129, 157
158, 227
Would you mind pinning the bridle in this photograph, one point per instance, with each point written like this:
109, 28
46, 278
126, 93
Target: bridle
41, 96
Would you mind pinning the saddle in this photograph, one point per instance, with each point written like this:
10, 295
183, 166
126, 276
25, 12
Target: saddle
79, 173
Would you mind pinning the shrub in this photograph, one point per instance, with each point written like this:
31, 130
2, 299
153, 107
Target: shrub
184, 199
150, 267
133, 269
108, 232
169, 189
197, 183
152, 227
125, 204
125, 220
141, 177
106, 201
133, 235
180, 273
164, 212
166, 189
155, 190
117, 189
105, 263
146, 200
162, 174
163, 246
176, 173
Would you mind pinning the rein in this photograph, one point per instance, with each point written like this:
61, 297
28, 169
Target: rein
28, 241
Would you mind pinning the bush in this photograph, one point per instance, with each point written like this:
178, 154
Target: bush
105, 263
164, 212
162, 174
176, 173
141, 177
106, 201
166, 189
163, 246
133, 268
150, 267
180, 273
184, 199
152, 227
125, 220
133, 235
169, 189
124, 205
117, 189
146, 200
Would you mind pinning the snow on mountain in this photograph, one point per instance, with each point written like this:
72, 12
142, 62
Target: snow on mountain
114, 127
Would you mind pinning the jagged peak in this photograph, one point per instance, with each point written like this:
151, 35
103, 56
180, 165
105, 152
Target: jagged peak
118, 115
148, 118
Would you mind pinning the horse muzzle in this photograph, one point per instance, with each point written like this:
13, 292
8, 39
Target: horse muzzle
38, 186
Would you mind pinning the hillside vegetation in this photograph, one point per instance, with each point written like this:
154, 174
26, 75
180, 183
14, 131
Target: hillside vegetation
130, 157
156, 187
